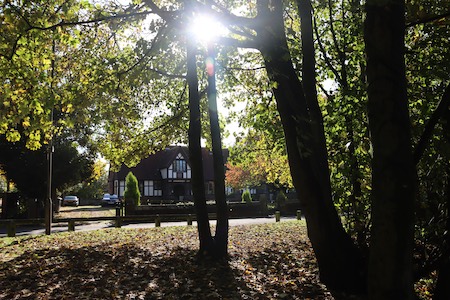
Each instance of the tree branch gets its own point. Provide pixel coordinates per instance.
(324, 53)
(179, 113)
(428, 19)
(92, 21)
(431, 124)
(250, 44)
(243, 69)
(327, 94)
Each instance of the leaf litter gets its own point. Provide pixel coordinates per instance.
(268, 261)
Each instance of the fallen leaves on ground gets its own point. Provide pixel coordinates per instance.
(269, 261)
(86, 212)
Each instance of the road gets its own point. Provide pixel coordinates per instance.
(37, 230)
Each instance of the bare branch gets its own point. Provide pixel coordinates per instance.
(243, 69)
(92, 21)
(324, 53)
(428, 19)
(250, 44)
(327, 94)
(431, 124)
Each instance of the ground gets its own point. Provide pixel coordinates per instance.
(85, 212)
(269, 261)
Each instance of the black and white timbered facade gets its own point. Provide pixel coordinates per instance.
(165, 175)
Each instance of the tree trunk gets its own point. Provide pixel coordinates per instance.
(221, 236)
(195, 154)
(394, 174)
(341, 264)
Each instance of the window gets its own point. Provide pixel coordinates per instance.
(116, 187)
(121, 188)
(152, 188)
(148, 188)
(179, 165)
(228, 190)
(157, 188)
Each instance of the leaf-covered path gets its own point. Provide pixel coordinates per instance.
(269, 261)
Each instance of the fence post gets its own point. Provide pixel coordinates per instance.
(71, 225)
(157, 221)
(299, 214)
(277, 216)
(118, 219)
(11, 228)
(189, 219)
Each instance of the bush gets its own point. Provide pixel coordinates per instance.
(246, 197)
(132, 194)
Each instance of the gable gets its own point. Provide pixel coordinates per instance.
(168, 163)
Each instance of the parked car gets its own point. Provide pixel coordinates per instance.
(109, 200)
(70, 200)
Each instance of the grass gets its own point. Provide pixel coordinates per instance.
(269, 261)
(85, 212)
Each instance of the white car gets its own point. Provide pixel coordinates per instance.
(70, 200)
(110, 199)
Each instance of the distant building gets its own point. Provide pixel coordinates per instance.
(166, 175)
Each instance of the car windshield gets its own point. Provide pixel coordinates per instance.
(70, 198)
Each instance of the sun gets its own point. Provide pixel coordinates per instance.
(205, 28)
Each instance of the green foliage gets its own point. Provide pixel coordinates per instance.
(246, 196)
(95, 186)
(28, 168)
(340, 42)
(260, 159)
(123, 92)
(101, 84)
(132, 194)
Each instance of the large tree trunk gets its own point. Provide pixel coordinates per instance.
(394, 174)
(221, 236)
(340, 262)
(195, 154)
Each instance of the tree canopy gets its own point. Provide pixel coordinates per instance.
(116, 76)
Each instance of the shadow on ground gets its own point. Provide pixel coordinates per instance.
(71, 209)
(127, 271)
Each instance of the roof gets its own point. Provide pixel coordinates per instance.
(149, 168)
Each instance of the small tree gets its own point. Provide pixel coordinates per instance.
(246, 196)
(132, 194)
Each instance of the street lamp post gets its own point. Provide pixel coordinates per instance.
(48, 215)
(48, 201)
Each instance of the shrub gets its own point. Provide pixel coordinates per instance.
(132, 194)
(246, 196)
